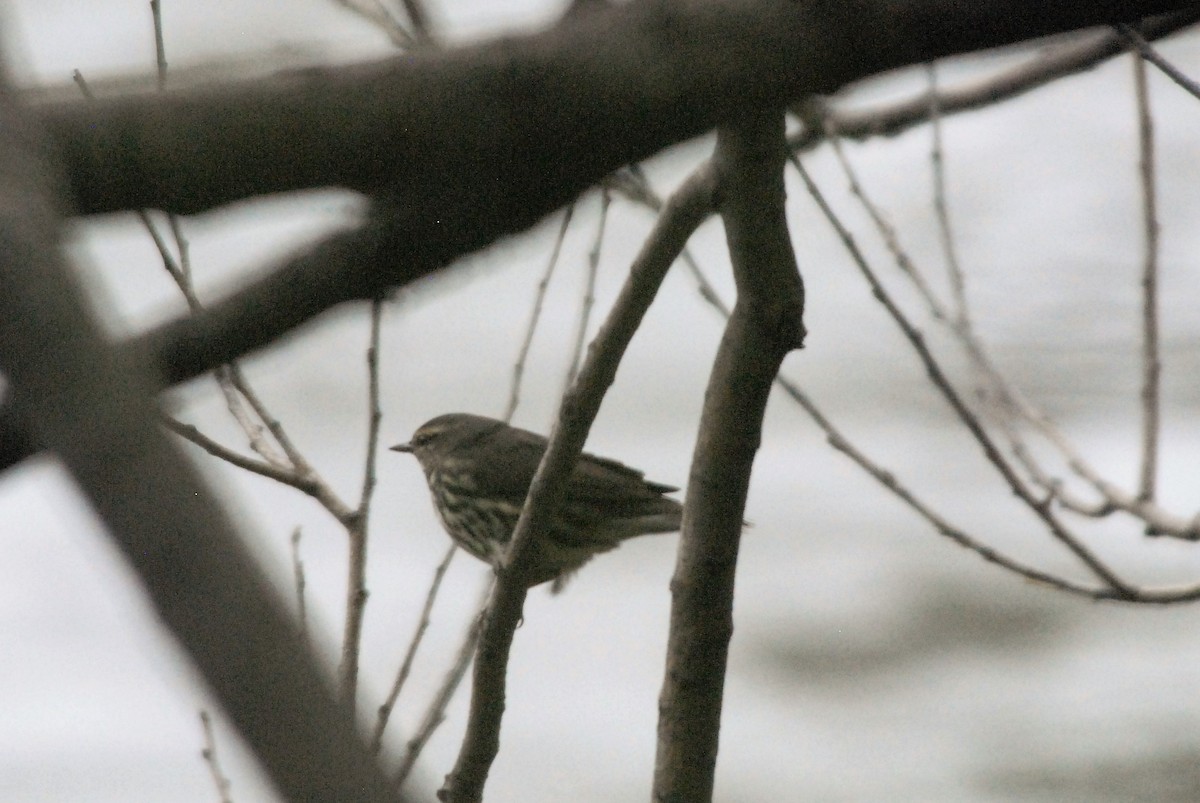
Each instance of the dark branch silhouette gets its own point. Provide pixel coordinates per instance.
(765, 325)
(93, 406)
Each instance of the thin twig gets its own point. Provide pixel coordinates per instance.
(838, 441)
(889, 481)
(298, 576)
(841, 443)
(941, 210)
(1007, 400)
(1046, 66)
(294, 456)
(309, 484)
(589, 290)
(1040, 507)
(168, 259)
(209, 753)
(236, 392)
(228, 377)
(378, 15)
(435, 713)
(82, 83)
(633, 185)
(374, 411)
(1151, 361)
(179, 270)
(1151, 55)
(357, 523)
(160, 50)
(181, 247)
(419, 18)
(285, 476)
(518, 375)
(414, 644)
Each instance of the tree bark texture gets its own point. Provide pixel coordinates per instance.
(765, 325)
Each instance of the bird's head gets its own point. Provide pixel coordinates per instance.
(439, 437)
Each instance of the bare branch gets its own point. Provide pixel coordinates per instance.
(157, 508)
(1154, 57)
(298, 577)
(229, 378)
(237, 393)
(766, 324)
(173, 268)
(354, 265)
(435, 714)
(1040, 507)
(1151, 362)
(357, 523)
(160, 50)
(514, 396)
(414, 644)
(589, 290)
(209, 753)
(377, 14)
(419, 17)
(838, 441)
(572, 100)
(937, 157)
(1048, 65)
(181, 247)
(1006, 401)
(578, 410)
(271, 471)
(889, 481)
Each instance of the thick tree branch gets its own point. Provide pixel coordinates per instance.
(765, 325)
(573, 103)
(88, 402)
(143, 150)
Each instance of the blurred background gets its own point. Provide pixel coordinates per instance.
(872, 659)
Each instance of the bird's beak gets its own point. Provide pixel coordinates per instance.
(402, 447)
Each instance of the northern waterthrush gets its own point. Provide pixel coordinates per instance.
(479, 470)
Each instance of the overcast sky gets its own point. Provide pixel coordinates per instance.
(871, 661)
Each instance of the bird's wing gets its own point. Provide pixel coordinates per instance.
(506, 463)
(602, 480)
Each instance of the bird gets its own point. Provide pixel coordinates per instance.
(479, 470)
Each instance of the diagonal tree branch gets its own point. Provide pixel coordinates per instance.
(90, 403)
(1139, 40)
(579, 407)
(937, 375)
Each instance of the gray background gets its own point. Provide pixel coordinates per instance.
(872, 660)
